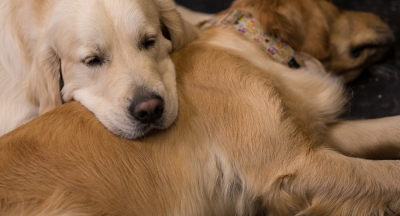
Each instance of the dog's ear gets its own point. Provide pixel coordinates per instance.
(303, 26)
(299, 23)
(174, 27)
(43, 82)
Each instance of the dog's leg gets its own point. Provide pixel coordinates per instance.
(375, 138)
(323, 182)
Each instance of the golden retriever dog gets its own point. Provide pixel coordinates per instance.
(111, 56)
(253, 137)
(346, 42)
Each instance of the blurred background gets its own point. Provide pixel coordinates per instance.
(376, 93)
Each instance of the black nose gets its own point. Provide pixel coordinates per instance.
(147, 110)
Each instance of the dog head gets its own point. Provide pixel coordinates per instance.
(344, 41)
(113, 57)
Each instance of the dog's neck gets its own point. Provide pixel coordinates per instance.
(246, 25)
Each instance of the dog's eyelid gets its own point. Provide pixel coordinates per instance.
(148, 41)
(93, 60)
(357, 51)
(150, 37)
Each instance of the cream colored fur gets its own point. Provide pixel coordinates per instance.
(42, 39)
(253, 137)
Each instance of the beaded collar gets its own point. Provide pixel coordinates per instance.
(278, 50)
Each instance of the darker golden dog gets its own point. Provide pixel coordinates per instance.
(346, 42)
(253, 136)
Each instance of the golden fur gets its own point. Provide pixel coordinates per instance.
(252, 137)
(345, 41)
(110, 55)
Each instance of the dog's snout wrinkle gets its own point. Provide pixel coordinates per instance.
(147, 110)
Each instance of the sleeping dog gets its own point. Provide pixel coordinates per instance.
(346, 42)
(112, 56)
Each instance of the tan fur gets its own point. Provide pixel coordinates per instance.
(251, 138)
(44, 39)
(321, 30)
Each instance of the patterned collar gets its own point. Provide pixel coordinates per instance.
(278, 50)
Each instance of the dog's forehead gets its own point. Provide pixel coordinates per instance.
(103, 21)
(116, 15)
(132, 12)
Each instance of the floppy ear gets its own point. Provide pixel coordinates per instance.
(179, 31)
(43, 81)
(304, 27)
(299, 23)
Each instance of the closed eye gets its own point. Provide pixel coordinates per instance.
(357, 51)
(148, 42)
(93, 61)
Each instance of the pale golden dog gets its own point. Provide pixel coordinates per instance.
(112, 56)
(253, 137)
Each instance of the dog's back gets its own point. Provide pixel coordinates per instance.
(66, 162)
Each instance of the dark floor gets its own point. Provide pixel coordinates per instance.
(376, 93)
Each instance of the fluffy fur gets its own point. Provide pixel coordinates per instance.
(110, 54)
(345, 41)
(253, 137)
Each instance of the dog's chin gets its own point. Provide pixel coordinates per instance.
(135, 133)
(133, 129)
